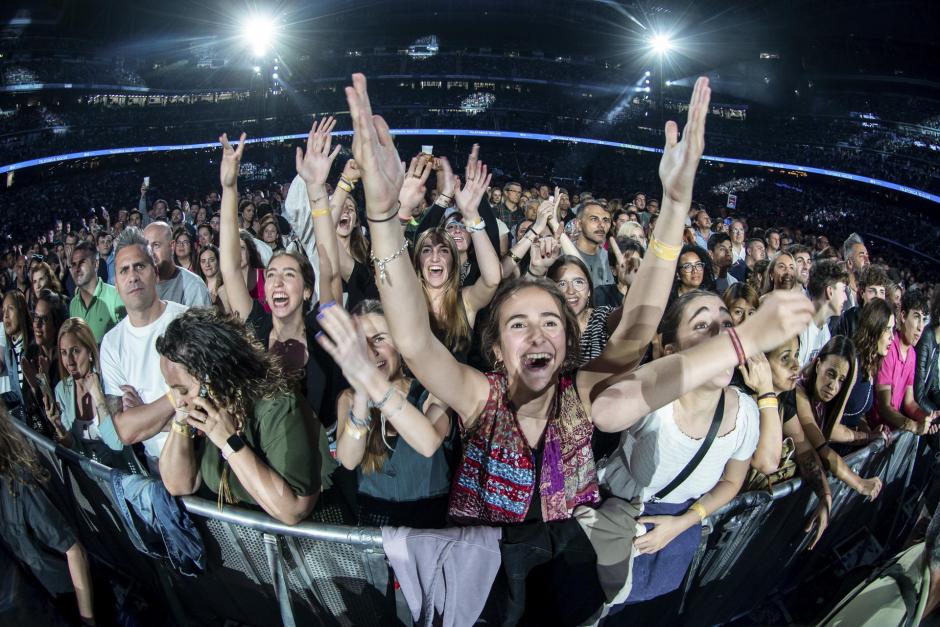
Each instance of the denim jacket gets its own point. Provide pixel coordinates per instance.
(157, 524)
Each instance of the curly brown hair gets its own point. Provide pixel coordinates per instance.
(219, 350)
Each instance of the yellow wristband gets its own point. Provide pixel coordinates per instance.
(766, 403)
(699, 509)
(664, 251)
(320, 213)
(345, 186)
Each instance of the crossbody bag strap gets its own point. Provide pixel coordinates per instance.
(699, 454)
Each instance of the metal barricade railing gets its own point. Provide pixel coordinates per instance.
(261, 571)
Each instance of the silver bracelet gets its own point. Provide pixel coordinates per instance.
(381, 403)
(356, 422)
(381, 263)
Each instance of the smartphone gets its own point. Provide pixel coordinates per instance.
(146, 181)
(428, 150)
(551, 199)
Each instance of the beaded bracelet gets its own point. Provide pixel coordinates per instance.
(381, 403)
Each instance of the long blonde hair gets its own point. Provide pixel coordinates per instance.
(451, 327)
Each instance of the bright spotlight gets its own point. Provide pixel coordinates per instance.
(647, 73)
(661, 44)
(259, 31)
(668, 83)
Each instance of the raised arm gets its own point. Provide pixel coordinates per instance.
(229, 251)
(645, 302)
(468, 197)
(346, 184)
(621, 400)
(460, 387)
(347, 344)
(313, 167)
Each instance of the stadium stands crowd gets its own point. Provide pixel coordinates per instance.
(456, 341)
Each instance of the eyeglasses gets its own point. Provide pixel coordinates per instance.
(513, 191)
(41, 320)
(690, 267)
(455, 226)
(578, 285)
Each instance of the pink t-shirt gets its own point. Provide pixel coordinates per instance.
(896, 372)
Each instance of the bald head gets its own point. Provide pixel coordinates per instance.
(160, 237)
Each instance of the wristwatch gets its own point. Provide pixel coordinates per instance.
(234, 444)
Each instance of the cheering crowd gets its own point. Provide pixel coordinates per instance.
(574, 380)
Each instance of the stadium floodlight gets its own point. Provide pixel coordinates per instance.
(661, 44)
(259, 32)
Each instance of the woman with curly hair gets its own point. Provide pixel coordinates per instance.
(258, 449)
(40, 530)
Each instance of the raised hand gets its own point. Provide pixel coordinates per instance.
(231, 160)
(782, 315)
(374, 151)
(351, 171)
(346, 343)
(314, 165)
(680, 158)
(544, 215)
(543, 253)
(413, 187)
(446, 181)
(476, 182)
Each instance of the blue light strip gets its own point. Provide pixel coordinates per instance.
(904, 189)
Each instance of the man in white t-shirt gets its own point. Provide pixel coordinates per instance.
(174, 283)
(826, 287)
(130, 366)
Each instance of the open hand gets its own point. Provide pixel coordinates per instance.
(543, 253)
(314, 165)
(345, 341)
(680, 158)
(374, 151)
(477, 180)
(413, 188)
(782, 315)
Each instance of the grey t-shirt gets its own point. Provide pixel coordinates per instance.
(599, 266)
(186, 288)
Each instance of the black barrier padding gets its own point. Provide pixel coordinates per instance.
(751, 550)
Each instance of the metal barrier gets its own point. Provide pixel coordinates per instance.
(323, 572)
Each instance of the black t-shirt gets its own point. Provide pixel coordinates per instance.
(37, 534)
(321, 380)
(360, 286)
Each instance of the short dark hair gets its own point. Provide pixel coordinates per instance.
(874, 275)
(825, 273)
(796, 249)
(717, 238)
(914, 300)
(86, 246)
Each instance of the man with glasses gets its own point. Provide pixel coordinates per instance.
(508, 210)
(95, 301)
